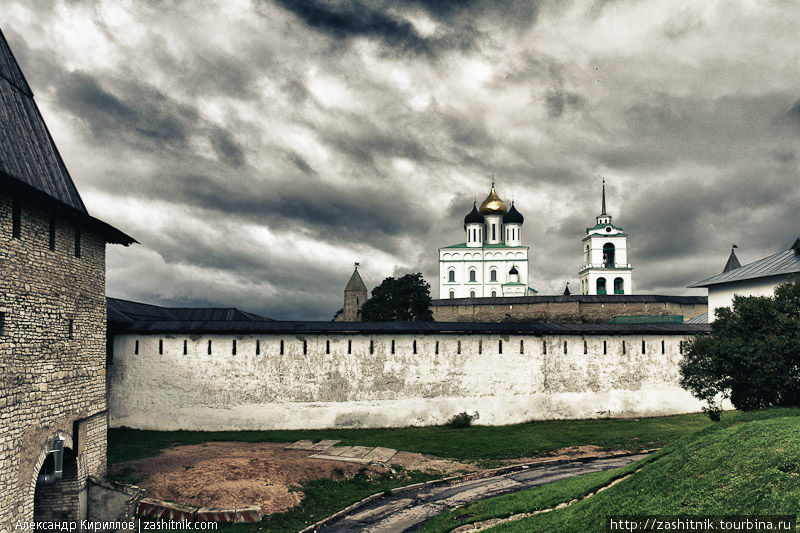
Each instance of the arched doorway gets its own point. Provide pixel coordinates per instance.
(58, 487)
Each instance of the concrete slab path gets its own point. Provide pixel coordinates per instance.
(409, 508)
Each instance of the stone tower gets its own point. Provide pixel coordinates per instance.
(355, 294)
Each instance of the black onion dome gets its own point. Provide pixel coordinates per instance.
(513, 216)
(474, 217)
(513, 270)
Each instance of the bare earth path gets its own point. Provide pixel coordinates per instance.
(410, 509)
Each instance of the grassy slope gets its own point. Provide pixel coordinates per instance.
(741, 468)
(474, 443)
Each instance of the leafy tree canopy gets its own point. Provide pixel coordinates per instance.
(752, 355)
(406, 298)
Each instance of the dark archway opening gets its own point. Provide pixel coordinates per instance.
(608, 255)
(619, 286)
(601, 285)
(57, 495)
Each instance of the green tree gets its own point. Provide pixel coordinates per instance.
(406, 298)
(752, 356)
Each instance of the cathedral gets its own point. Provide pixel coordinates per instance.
(492, 262)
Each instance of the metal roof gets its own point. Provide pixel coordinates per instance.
(583, 298)
(128, 312)
(27, 151)
(421, 328)
(785, 262)
(699, 319)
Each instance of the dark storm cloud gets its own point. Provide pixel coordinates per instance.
(557, 101)
(343, 20)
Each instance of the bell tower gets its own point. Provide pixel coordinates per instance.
(605, 267)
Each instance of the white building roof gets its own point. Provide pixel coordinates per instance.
(785, 262)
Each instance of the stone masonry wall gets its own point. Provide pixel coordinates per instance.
(382, 380)
(572, 311)
(51, 382)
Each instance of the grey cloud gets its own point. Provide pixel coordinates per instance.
(557, 101)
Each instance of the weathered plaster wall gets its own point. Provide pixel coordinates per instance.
(722, 295)
(50, 383)
(550, 311)
(329, 385)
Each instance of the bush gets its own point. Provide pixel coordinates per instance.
(751, 357)
(462, 420)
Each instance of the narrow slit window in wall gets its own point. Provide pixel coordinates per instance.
(233, 347)
(2, 324)
(70, 329)
(623, 347)
(458, 347)
(305, 347)
(437, 348)
(77, 241)
(392, 345)
(521, 346)
(500, 346)
(662, 346)
(349, 346)
(544, 347)
(585, 347)
(160, 346)
(415, 346)
(680, 347)
(209, 346)
(258, 347)
(281, 347)
(185, 347)
(644, 348)
(52, 232)
(605, 348)
(480, 346)
(136, 347)
(16, 218)
(371, 346)
(565, 346)
(328, 346)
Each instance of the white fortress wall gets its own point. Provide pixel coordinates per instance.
(357, 388)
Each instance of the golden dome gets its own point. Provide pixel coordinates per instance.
(493, 205)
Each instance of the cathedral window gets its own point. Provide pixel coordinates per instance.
(472, 275)
(493, 275)
(494, 294)
(452, 295)
(451, 276)
(472, 294)
(494, 237)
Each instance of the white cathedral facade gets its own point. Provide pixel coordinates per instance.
(492, 262)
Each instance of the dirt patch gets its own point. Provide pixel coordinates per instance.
(570, 452)
(237, 474)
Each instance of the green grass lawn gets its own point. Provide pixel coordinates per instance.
(476, 443)
(747, 464)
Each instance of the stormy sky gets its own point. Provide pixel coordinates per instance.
(257, 148)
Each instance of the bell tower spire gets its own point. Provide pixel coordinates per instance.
(603, 212)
